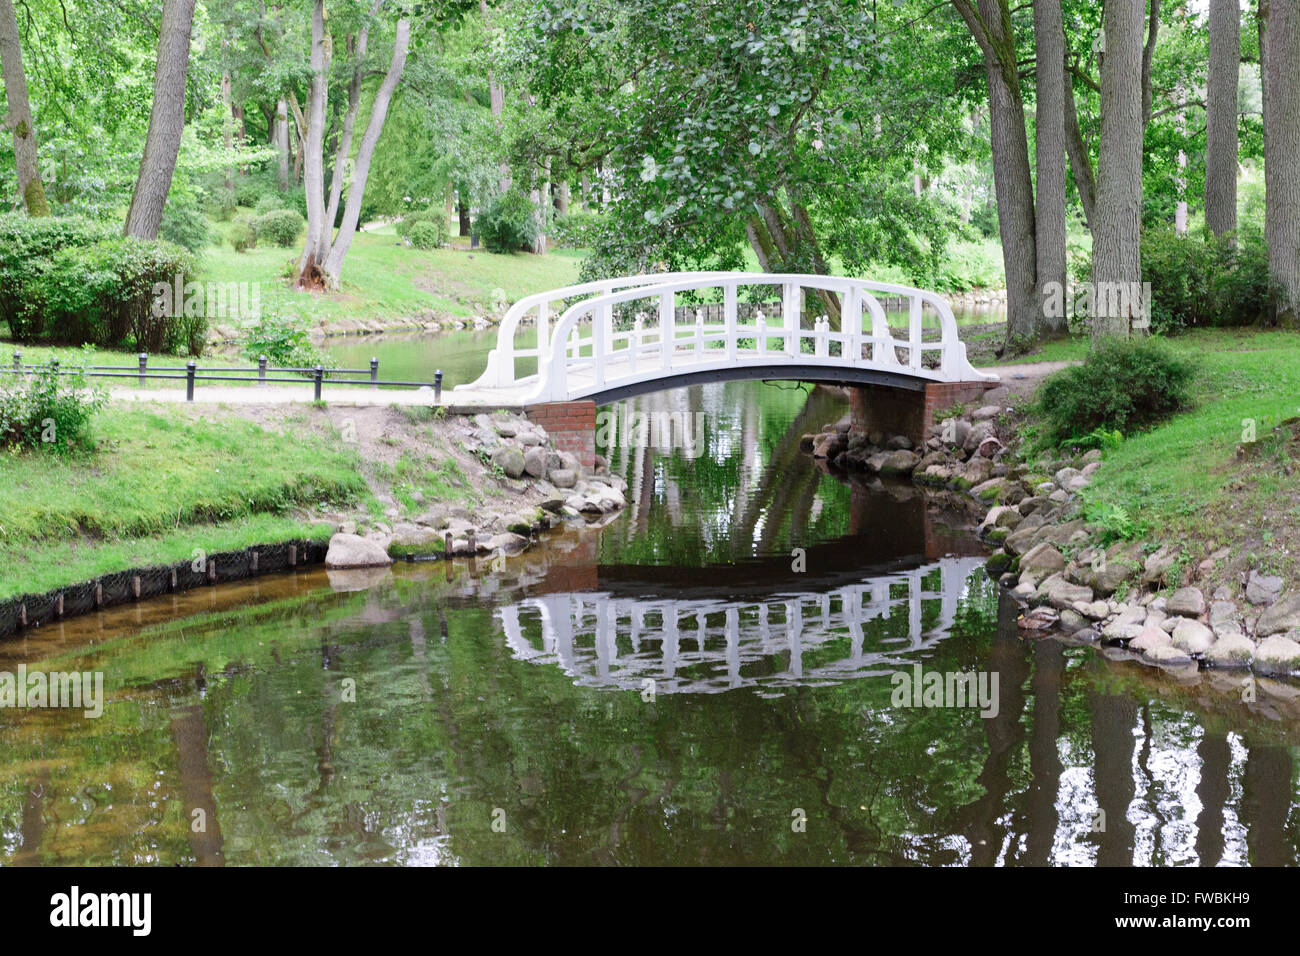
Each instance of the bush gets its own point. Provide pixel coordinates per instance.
(249, 190)
(430, 217)
(47, 410)
(269, 203)
(242, 235)
(26, 245)
(1123, 385)
(509, 224)
(424, 235)
(576, 230)
(104, 294)
(1204, 280)
(285, 341)
(280, 226)
(183, 222)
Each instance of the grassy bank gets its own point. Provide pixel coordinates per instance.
(1198, 480)
(159, 485)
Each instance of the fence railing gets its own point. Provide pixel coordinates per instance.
(261, 375)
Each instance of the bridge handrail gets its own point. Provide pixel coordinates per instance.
(858, 301)
(500, 369)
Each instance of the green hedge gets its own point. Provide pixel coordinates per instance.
(509, 224)
(76, 282)
(280, 226)
(1204, 280)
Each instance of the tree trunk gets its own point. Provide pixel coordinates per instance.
(357, 184)
(318, 230)
(1282, 154)
(228, 131)
(1116, 257)
(497, 101)
(166, 121)
(19, 120)
(462, 213)
(1080, 163)
(349, 121)
(1221, 117)
(282, 141)
(1049, 217)
(990, 23)
(562, 198)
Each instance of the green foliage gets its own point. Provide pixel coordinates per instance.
(104, 294)
(184, 222)
(433, 219)
(280, 226)
(1114, 523)
(577, 230)
(285, 340)
(1201, 279)
(26, 245)
(1123, 385)
(47, 410)
(509, 224)
(242, 235)
(249, 190)
(424, 235)
(270, 201)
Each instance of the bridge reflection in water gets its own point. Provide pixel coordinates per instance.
(868, 627)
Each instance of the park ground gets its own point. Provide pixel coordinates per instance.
(161, 478)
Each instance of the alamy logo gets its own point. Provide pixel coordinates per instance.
(77, 691)
(215, 300)
(74, 909)
(682, 431)
(1100, 300)
(919, 688)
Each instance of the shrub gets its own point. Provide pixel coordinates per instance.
(1123, 385)
(424, 235)
(1205, 280)
(576, 230)
(430, 217)
(509, 224)
(241, 235)
(183, 221)
(25, 247)
(47, 410)
(104, 294)
(270, 202)
(285, 340)
(250, 189)
(280, 226)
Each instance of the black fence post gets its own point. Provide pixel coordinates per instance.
(261, 370)
(318, 374)
(374, 373)
(54, 367)
(190, 368)
(437, 385)
(144, 364)
(18, 363)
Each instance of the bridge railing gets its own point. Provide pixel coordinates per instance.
(584, 359)
(502, 370)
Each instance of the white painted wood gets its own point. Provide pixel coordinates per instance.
(573, 364)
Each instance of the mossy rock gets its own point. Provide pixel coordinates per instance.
(998, 563)
(431, 549)
(997, 535)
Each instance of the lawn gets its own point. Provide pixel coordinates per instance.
(159, 485)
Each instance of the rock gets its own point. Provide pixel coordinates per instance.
(976, 435)
(986, 412)
(1186, 602)
(1282, 615)
(510, 460)
(1064, 476)
(1025, 589)
(535, 462)
(563, 477)
(989, 490)
(1167, 654)
(1061, 594)
(1092, 456)
(353, 551)
(1072, 621)
(1192, 636)
(348, 527)
(899, 443)
(990, 447)
(974, 472)
(1277, 655)
(1095, 611)
(1263, 589)
(508, 541)
(1231, 650)
(1223, 614)
(1153, 571)
(900, 462)
(414, 539)
(1042, 561)
(1120, 564)
(958, 431)
(1149, 638)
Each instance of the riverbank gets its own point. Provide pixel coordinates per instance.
(167, 487)
(1175, 547)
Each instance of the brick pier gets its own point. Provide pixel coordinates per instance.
(571, 425)
(899, 411)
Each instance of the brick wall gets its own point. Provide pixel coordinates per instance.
(898, 411)
(571, 425)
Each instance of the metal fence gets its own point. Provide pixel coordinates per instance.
(262, 375)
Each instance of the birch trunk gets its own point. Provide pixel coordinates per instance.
(19, 119)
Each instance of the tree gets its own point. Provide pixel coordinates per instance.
(166, 121)
(1049, 125)
(1221, 117)
(19, 119)
(1280, 42)
(1116, 260)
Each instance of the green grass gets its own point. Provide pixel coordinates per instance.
(383, 279)
(1184, 480)
(159, 485)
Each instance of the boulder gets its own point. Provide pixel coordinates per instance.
(508, 541)
(1277, 655)
(1231, 650)
(1281, 616)
(1149, 638)
(1042, 561)
(535, 462)
(1223, 616)
(1168, 654)
(1061, 594)
(899, 462)
(1186, 602)
(1153, 571)
(509, 459)
(1263, 589)
(353, 551)
(563, 477)
(986, 412)
(1192, 636)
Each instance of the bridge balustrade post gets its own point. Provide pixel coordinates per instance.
(638, 330)
(914, 332)
(667, 328)
(699, 335)
(760, 324)
(602, 334)
(851, 326)
(791, 307)
(543, 330)
(729, 318)
(821, 334)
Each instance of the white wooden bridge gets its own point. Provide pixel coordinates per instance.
(712, 645)
(624, 337)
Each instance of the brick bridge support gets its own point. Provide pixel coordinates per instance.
(571, 426)
(884, 410)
